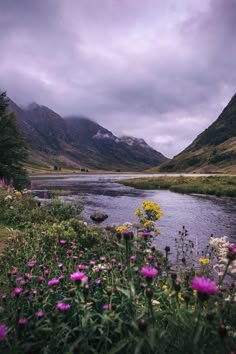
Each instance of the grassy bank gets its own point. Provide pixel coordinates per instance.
(215, 185)
(67, 287)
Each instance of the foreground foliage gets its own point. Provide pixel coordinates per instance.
(216, 185)
(70, 288)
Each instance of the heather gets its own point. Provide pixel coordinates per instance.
(69, 287)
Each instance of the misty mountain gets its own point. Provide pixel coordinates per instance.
(80, 142)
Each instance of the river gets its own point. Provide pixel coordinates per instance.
(202, 215)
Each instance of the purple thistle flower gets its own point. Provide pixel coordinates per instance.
(146, 234)
(53, 282)
(133, 258)
(40, 279)
(31, 264)
(204, 285)
(102, 259)
(77, 276)
(92, 263)
(97, 281)
(17, 291)
(3, 331)
(63, 307)
(149, 272)
(62, 242)
(22, 321)
(106, 307)
(81, 266)
(39, 314)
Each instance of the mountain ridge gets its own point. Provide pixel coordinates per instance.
(213, 150)
(80, 142)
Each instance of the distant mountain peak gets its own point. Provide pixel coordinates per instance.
(80, 141)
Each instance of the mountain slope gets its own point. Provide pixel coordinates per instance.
(80, 142)
(214, 150)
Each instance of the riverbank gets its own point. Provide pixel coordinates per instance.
(74, 288)
(213, 185)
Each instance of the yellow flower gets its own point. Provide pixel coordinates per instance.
(138, 212)
(164, 287)
(18, 194)
(204, 261)
(121, 228)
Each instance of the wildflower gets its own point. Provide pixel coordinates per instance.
(62, 242)
(79, 277)
(81, 266)
(133, 258)
(149, 272)
(3, 331)
(204, 285)
(204, 261)
(231, 254)
(22, 321)
(17, 291)
(142, 325)
(106, 307)
(31, 264)
(40, 279)
(92, 263)
(53, 282)
(97, 281)
(63, 307)
(39, 314)
(102, 259)
(146, 234)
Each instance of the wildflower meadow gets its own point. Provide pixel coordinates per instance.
(69, 287)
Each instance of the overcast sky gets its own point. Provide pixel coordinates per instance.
(162, 70)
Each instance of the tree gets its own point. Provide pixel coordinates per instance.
(13, 150)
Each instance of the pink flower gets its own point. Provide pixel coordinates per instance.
(106, 307)
(92, 263)
(102, 259)
(3, 331)
(39, 314)
(22, 321)
(204, 285)
(62, 242)
(146, 234)
(53, 282)
(133, 258)
(149, 272)
(31, 264)
(40, 279)
(63, 307)
(17, 291)
(77, 276)
(81, 266)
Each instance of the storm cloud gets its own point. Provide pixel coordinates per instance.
(160, 70)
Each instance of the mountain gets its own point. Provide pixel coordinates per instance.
(79, 142)
(214, 150)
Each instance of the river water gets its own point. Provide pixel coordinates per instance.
(202, 215)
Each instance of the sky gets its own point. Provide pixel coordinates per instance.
(161, 70)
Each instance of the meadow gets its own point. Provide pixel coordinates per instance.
(214, 185)
(69, 287)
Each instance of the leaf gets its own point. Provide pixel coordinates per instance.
(120, 345)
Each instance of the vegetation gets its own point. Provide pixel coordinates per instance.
(71, 288)
(213, 150)
(12, 147)
(216, 185)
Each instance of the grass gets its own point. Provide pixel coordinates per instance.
(4, 234)
(214, 185)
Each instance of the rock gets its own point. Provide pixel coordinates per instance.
(98, 217)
